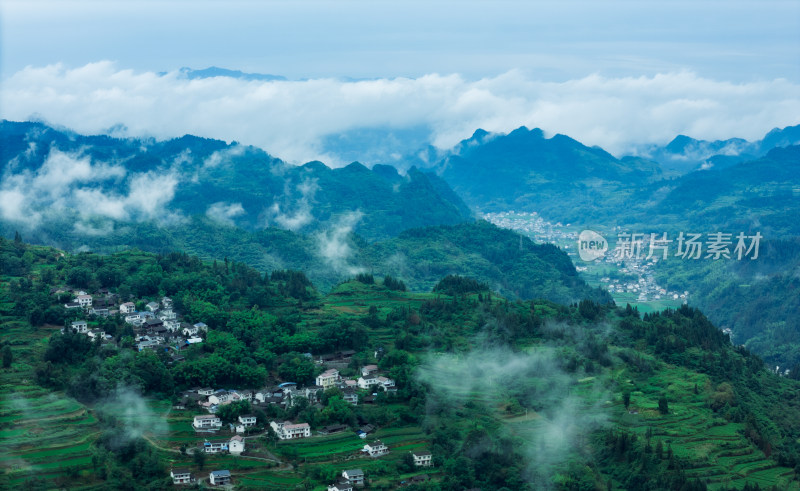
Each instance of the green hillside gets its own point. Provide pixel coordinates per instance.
(96, 185)
(521, 395)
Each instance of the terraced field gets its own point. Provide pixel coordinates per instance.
(722, 455)
(45, 435)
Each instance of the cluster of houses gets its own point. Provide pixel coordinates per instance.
(235, 445)
(158, 326)
(369, 379)
(215, 478)
(354, 478)
(287, 393)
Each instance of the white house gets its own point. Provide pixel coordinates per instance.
(386, 383)
(219, 478)
(355, 476)
(79, 326)
(341, 484)
(84, 300)
(215, 447)
(236, 445)
(205, 391)
(100, 312)
(328, 378)
(220, 397)
(350, 396)
(422, 458)
(180, 476)
(145, 342)
(207, 422)
(247, 420)
(127, 308)
(366, 382)
(166, 302)
(152, 306)
(288, 431)
(134, 318)
(368, 370)
(95, 333)
(375, 449)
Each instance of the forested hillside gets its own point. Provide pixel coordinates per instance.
(63, 187)
(660, 401)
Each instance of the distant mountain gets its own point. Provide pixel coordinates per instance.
(684, 154)
(377, 145)
(100, 182)
(558, 177)
(224, 72)
(759, 194)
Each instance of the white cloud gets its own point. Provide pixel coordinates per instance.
(221, 156)
(334, 246)
(300, 214)
(290, 118)
(73, 183)
(225, 212)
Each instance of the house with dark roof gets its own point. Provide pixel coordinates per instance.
(355, 476)
(180, 476)
(219, 478)
(422, 458)
(341, 484)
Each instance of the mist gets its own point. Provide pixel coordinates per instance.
(555, 413)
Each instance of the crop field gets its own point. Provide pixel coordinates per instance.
(723, 454)
(44, 434)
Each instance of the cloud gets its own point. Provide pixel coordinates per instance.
(298, 213)
(72, 183)
(132, 414)
(225, 212)
(291, 119)
(334, 246)
(222, 156)
(557, 419)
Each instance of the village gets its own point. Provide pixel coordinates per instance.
(628, 279)
(286, 395)
(158, 326)
(155, 326)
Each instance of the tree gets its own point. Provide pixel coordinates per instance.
(407, 463)
(8, 356)
(663, 405)
(626, 398)
(200, 458)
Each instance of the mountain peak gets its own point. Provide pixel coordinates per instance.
(214, 71)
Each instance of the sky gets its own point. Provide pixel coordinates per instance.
(615, 74)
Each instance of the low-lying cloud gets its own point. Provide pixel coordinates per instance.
(224, 213)
(334, 244)
(71, 182)
(293, 212)
(558, 418)
(291, 119)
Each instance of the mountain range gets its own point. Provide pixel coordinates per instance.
(219, 199)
